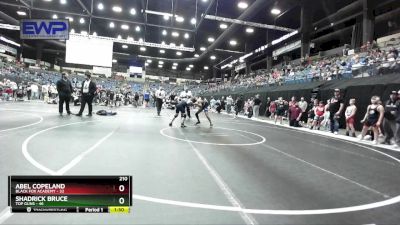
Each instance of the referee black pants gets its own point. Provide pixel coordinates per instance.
(86, 99)
(159, 103)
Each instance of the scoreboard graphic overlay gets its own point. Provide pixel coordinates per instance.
(70, 194)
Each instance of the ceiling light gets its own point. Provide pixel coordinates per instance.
(163, 42)
(95, 33)
(117, 9)
(164, 32)
(112, 25)
(243, 5)
(161, 62)
(119, 37)
(124, 46)
(180, 19)
(188, 69)
(149, 61)
(162, 51)
(213, 57)
(191, 66)
(223, 26)
(100, 6)
(140, 39)
(114, 60)
(130, 39)
(205, 0)
(63, 2)
(70, 19)
(233, 42)
(275, 11)
(146, 64)
(47, 0)
(137, 28)
(21, 13)
(132, 11)
(175, 64)
(206, 67)
(124, 27)
(211, 39)
(166, 17)
(55, 16)
(193, 21)
(196, 55)
(72, 31)
(249, 30)
(142, 49)
(186, 35)
(181, 45)
(160, 66)
(179, 53)
(175, 34)
(81, 21)
(174, 67)
(202, 49)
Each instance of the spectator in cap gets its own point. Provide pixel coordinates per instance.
(64, 89)
(389, 122)
(335, 108)
(88, 91)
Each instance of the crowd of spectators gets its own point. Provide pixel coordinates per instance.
(369, 61)
(381, 122)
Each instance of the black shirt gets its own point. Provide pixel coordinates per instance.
(64, 87)
(334, 106)
(257, 101)
(391, 109)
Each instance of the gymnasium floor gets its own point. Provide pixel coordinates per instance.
(239, 172)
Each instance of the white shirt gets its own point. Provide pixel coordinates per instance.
(160, 94)
(34, 88)
(86, 86)
(186, 95)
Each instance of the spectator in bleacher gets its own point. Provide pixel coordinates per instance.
(64, 89)
(257, 104)
(350, 114)
(389, 123)
(335, 108)
(373, 118)
(88, 91)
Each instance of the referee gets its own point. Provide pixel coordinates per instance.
(88, 91)
(160, 95)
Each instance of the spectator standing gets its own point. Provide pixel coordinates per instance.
(45, 92)
(239, 105)
(280, 110)
(35, 91)
(389, 123)
(28, 91)
(335, 108)
(257, 105)
(295, 115)
(64, 89)
(146, 99)
(303, 106)
(373, 118)
(88, 91)
(229, 103)
(267, 105)
(350, 114)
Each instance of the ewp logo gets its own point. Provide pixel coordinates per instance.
(44, 29)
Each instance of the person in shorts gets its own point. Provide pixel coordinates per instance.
(180, 108)
(319, 111)
(202, 107)
(280, 110)
(373, 118)
(350, 114)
